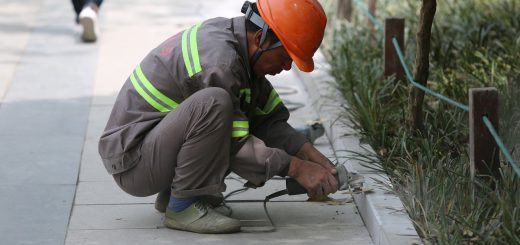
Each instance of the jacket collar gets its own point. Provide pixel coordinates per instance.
(239, 29)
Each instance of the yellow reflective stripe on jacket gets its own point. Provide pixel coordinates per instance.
(147, 97)
(247, 93)
(190, 50)
(271, 103)
(240, 129)
(172, 104)
(150, 94)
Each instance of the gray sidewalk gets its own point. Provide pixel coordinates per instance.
(104, 214)
(56, 94)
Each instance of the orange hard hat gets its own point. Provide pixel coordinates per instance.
(299, 24)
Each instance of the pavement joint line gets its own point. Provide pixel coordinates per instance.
(39, 184)
(228, 201)
(95, 181)
(116, 229)
(289, 226)
(254, 201)
(113, 204)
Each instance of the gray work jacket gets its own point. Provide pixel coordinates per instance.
(212, 53)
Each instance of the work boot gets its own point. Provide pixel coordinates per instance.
(199, 217)
(163, 197)
(214, 200)
(88, 20)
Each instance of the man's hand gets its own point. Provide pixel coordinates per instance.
(316, 179)
(309, 152)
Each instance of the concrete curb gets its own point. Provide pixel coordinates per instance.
(383, 213)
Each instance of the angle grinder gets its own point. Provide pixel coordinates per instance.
(345, 180)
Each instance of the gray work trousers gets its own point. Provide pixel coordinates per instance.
(189, 150)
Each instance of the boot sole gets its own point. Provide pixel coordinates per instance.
(172, 224)
(89, 32)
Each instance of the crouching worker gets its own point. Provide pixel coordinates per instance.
(198, 107)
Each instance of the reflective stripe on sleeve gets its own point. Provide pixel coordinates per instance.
(271, 103)
(190, 52)
(147, 97)
(185, 54)
(240, 129)
(150, 94)
(172, 104)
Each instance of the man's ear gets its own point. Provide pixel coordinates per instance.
(256, 38)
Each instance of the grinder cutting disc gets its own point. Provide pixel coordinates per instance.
(347, 179)
(342, 177)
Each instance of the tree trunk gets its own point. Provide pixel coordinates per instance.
(372, 10)
(422, 62)
(345, 10)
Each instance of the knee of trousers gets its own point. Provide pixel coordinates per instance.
(221, 99)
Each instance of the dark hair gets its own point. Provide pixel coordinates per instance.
(251, 27)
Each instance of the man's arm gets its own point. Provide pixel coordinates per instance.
(308, 166)
(270, 121)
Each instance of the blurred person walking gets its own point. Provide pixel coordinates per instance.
(86, 15)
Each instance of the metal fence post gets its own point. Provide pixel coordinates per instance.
(345, 9)
(394, 27)
(482, 147)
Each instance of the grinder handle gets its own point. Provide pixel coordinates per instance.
(293, 187)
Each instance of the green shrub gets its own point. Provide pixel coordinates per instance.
(474, 44)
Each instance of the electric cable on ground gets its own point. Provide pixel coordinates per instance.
(267, 198)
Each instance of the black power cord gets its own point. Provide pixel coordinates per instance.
(267, 198)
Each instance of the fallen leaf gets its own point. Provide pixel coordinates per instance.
(330, 200)
(337, 202)
(319, 199)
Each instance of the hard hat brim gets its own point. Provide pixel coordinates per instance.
(303, 65)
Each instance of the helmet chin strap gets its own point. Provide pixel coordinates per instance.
(258, 21)
(260, 50)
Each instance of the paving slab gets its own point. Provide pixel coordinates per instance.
(294, 214)
(35, 162)
(17, 19)
(105, 193)
(92, 168)
(43, 118)
(35, 214)
(97, 121)
(37, 117)
(284, 214)
(122, 216)
(284, 235)
(298, 223)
